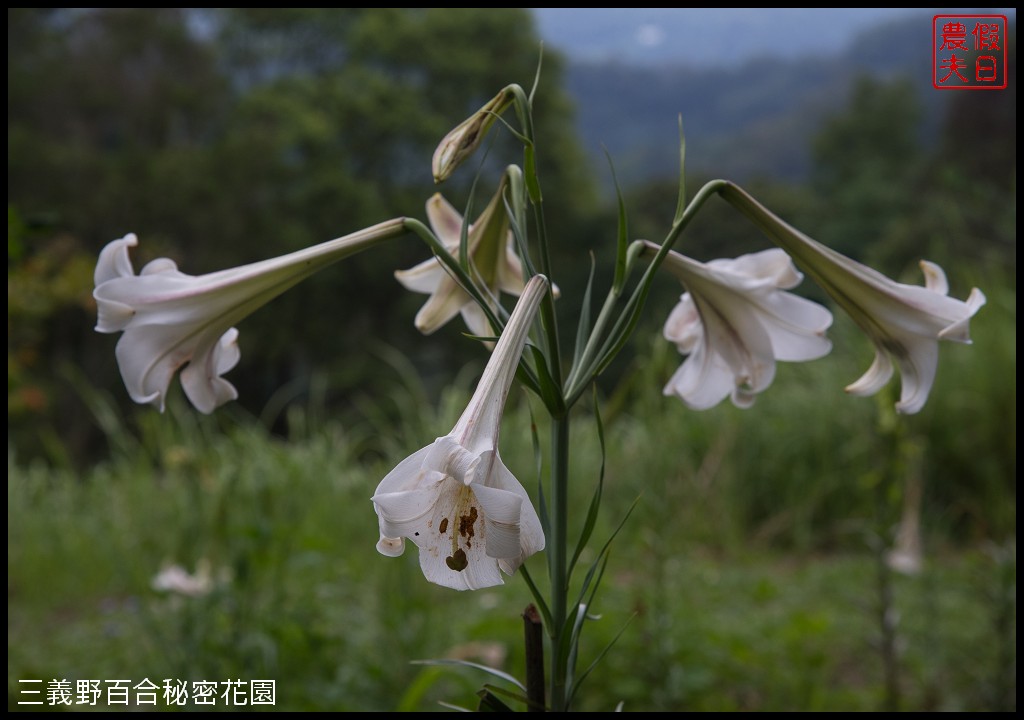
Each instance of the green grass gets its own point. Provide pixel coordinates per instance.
(307, 601)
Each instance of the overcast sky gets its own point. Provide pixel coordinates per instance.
(712, 36)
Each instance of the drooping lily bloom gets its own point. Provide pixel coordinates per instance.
(172, 320)
(490, 249)
(735, 321)
(455, 499)
(905, 322)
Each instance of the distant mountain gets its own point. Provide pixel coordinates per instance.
(757, 118)
(720, 37)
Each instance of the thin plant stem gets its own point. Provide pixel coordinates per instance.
(888, 626)
(548, 318)
(558, 567)
(888, 615)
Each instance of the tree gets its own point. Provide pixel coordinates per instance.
(222, 137)
(866, 162)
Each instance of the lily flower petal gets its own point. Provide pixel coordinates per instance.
(491, 253)
(905, 322)
(171, 319)
(734, 322)
(455, 499)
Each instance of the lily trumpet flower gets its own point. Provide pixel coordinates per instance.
(734, 322)
(455, 499)
(172, 320)
(905, 322)
(491, 254)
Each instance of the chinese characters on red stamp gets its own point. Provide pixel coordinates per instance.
(969, 52)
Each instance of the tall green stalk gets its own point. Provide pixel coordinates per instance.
(558, 567)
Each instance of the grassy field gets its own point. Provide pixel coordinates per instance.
(745, 579)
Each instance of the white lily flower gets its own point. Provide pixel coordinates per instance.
(905, 322)
(455, 499)
(491, 254)
(171, 319)
(176, 579)
(735, 321)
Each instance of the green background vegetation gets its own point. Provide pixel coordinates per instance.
(747, 572)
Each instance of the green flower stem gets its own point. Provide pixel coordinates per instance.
(558, 567)
(524, 112)
(599, 348)
(547, 307)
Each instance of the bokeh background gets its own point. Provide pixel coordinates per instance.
(753, 574)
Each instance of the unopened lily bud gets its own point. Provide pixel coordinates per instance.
(463, 141)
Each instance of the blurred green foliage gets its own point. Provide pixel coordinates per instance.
(270, 130)
(224, 137)
(718, 618)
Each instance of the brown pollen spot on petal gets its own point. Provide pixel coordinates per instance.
(457, 561)
(443, 527)
(466, 523)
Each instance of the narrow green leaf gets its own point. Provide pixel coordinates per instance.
(600, 656)
(681, 203)
(622, 243)
(590, 584)
(627, 320)
(596, 568)
(515, 133)
(574, 645)
(549, 391)
(536, 75)
(453, 706)
(538, 598)
(622, 524)
(583, 329)
(524, 111)
(481, 338)
(595, 501)
(489, 702)
(538, 459)
(464, 230)
(509, 694)
(517, 225)
(530, 171)
(478, 666)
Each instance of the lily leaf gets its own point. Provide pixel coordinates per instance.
(489, 702)
(595, 501)
(477, 666)
(583, 329)
(681, 204)
(622, 240)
